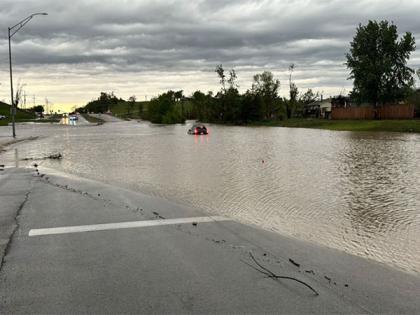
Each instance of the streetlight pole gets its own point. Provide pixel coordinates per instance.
(11, 86)
(12, 31)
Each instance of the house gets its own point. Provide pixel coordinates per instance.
(341, 102)
(318, 109)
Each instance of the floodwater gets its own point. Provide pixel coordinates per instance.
(357, 192)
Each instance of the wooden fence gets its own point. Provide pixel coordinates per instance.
(403, 111)
(400, 111)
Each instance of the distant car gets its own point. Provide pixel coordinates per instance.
(73, 117)
(198, 129)
(2, 117)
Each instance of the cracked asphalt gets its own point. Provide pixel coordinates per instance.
(216, 267)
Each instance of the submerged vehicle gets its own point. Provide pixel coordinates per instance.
(197, 129)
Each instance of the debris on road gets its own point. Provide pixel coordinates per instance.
(55, 156)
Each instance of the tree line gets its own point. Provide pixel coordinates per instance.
(377, 61)
(259, 103)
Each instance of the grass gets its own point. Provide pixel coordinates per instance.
(92, 119)
(348, 125)
(121, 110)
(21, 115)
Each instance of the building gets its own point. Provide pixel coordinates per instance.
(318, 109)
(341, 102)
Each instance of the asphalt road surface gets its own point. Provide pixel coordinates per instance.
(76, 246)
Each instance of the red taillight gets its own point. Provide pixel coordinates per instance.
(195, 130)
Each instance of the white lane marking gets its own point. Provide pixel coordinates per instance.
(122, 225)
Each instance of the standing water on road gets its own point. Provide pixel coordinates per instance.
(358, 192)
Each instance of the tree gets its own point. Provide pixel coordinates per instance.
(227, 100)
(232, 80)
(104, 102)
(131, 103)
(378, 63)
(200, 104)
(178, 95)
(221, 73)
(203, 106)
(266, 87)
(37, 109)
(163, 109)
(18, 95)
(308, 97)
(140, 108)
(293, 93)
(251, 107)
(231, 104)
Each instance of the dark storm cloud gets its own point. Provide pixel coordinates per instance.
(184, 35)
(199, 30)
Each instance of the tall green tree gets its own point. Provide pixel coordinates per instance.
(378, 63)
(221, 73)
(228, 99)
(104, 102)
(232, 80)
(251, 107)
(178, 95)
(163, 109)
(308, 97)
(198, 101)
(203, 106)
(37, 109)
(266, 87)
(140, 108)
(131, 103)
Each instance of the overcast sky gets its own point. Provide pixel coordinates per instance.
(146, 47)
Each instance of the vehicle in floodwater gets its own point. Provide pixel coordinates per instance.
(198, 129)
(73, 117)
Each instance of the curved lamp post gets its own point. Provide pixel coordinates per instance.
(12, 31)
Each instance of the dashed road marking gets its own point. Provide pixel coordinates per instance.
(122, 225)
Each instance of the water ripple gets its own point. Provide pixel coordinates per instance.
(358, 192)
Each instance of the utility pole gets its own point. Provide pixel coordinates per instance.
(12, 108)
(12, 31)
(47, 108)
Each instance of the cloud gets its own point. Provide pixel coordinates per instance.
(160, 44)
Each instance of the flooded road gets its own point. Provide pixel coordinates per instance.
(358, 192)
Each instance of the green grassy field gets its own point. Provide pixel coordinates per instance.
(123, 111)
(120, 110)
(20, 115)
(92, 119)
(349, 125)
